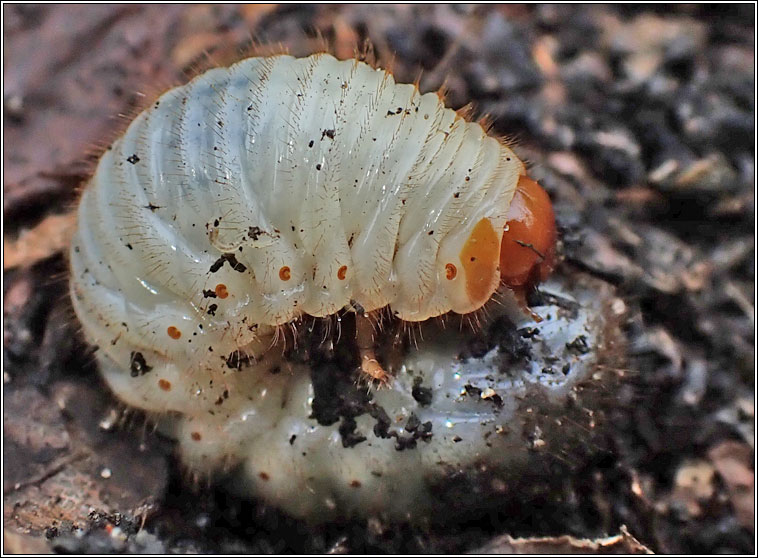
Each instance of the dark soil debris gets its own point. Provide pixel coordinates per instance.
(421, 394)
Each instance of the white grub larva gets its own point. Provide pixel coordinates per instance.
(280, 188)
(448, 438)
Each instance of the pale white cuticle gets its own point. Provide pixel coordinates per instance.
(314, 477)
(308, 165)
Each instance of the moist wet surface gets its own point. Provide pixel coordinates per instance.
(637, 121)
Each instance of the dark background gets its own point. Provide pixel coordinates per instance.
(639, 121)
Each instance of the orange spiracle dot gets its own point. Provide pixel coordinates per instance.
(196, 436)
(174, 333)
(450, 271)
(165, 385)
(342, 273)
(284, 273)
(221, 291)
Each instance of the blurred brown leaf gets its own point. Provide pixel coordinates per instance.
(49, 237)
(14, 543)
(623, 543)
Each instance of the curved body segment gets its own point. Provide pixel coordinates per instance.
(280, 187)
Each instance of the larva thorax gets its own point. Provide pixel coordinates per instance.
(279, 187)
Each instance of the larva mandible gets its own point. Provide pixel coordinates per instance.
(282, 187)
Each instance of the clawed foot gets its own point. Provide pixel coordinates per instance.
(371, 371)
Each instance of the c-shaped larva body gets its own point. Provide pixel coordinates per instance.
(282, 187)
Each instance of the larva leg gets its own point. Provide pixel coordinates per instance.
(371, 370)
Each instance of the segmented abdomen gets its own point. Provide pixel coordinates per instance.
(279, 187)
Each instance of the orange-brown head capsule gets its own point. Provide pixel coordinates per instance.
(527, 252)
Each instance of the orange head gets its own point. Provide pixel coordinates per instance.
(527, 251)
